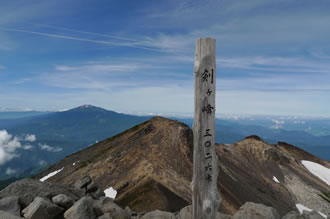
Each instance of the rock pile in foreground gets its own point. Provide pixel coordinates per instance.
(33, 199)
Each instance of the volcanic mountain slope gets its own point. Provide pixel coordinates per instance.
(150, 166)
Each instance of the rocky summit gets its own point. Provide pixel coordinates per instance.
(150, 166)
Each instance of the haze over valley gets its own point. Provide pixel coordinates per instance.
(31, 141)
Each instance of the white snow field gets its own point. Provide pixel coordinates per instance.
(318, 170)
(275, 179)
(302, 208)
(51, 175)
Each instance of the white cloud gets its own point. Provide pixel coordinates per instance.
(251, 31)
(27, 147)
(103, 75)
(42, 163)
(299, 122)
(171, 43)
(8, 146)
(275, 64)
(48, 148)
(2, 67)
(10, 171)
(115, 73)
(104, 42)
(278, 124)
(30, 138)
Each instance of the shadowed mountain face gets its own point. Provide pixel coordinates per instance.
(150, 165)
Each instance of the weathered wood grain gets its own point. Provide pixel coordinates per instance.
(206, 198)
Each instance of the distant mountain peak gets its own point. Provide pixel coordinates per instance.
(88, 108)
(255, 137)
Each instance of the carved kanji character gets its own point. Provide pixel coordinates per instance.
(208, 167)
(208, 109)
(207, 133)
(207, 144)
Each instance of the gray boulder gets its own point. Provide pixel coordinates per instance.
(106, 205)
(82, 209)
(186, 213)
(28, 189)
(42, 208)
(82, 183)
(223, 216)
(6, 215)
(159, 215)
(311, 215)
(105, 216)
(11, 205)
(63, 201)
(293, 215)
(92, 187)
(89, 187)
(252, 210)
(98, 193)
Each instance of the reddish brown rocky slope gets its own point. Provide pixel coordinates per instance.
(150, 166)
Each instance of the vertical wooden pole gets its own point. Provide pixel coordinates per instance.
(206, 198)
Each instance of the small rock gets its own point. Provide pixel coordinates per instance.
(82, 183)
(92, 187)
(42, 208)
(97, 194)
(6, 215)
(127, 209)
(82, 209)
(11, 205)
(186, 213)
(106, 205)
(105, 216)
(293, 215)
(27, 189)
(63, 201)
(223, 216)
(311, 215)
(256, 211)
(159, 215)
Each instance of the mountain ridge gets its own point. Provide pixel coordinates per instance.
(67, 131)
(155, 159)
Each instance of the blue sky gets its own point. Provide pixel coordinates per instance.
(273, 56)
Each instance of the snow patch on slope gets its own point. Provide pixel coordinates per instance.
(51, 175)
(302, 208)
(110, 192)
(318, 170)
(275, 179)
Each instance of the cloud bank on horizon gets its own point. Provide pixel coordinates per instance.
(272, 56)
(9, 145)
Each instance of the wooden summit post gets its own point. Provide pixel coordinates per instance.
(206, 198)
